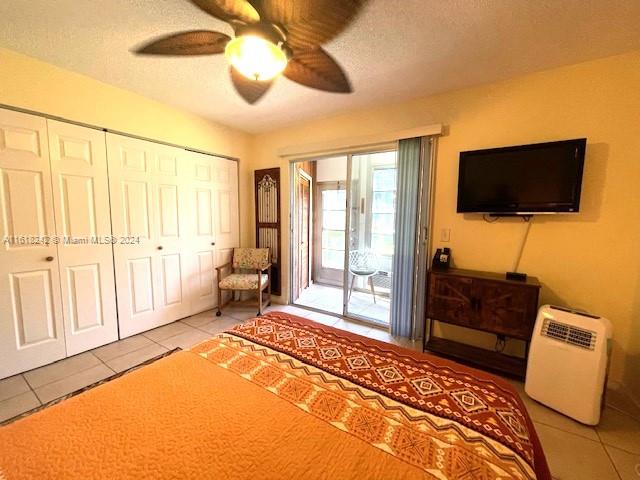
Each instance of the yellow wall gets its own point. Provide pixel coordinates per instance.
(589, 260)
(34, 85)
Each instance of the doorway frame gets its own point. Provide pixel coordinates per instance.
(298, 172)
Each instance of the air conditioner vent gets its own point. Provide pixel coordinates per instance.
(569, 334)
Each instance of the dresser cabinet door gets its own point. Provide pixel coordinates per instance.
(450, 299)
(506, 309)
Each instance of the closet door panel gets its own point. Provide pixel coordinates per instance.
(140, 285)
(227, 218)
(203, 285)
(135, 209)
(83, 221)
(131, 186)
(150, 212)
(31, 326)
(173, 220)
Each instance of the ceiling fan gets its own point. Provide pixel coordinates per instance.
(271, 37)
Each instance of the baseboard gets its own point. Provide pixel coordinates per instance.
(620, 393)
(633, 398)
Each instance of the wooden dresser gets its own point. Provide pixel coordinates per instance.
(482, 301)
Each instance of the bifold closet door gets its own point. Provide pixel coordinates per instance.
(227, 215)
(149, 219)
(226, 212)
(203, 285)
(31, 326)
(83, 221)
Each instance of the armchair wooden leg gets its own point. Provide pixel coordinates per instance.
(259, 299)
(219, 312)
(269, 286)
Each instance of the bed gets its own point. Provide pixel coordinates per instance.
(282, 397)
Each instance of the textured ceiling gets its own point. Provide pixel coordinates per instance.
(395, 50)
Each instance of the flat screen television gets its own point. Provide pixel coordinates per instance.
(522, 180)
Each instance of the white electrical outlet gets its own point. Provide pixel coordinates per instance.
(445, 234)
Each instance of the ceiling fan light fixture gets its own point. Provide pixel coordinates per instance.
(255, 57)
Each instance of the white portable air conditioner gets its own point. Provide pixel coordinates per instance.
(568, 361)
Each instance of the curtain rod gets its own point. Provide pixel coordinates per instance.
(322, 155)
(116, 132)
(349, 144)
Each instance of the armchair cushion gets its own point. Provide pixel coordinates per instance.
(251, 258)
(242, 281)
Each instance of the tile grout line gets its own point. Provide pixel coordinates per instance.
(605, 445)
(126, 353)
(623, 412)
(103, 362)
(567, 431)
(613, 464)
(69, 376)
(618, 448)
(27, 382)
(38, 398)
(22, 393)
(66, 376)
(30, 389)
(152, 341)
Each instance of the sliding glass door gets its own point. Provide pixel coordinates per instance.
(352, 225)
(369, 255)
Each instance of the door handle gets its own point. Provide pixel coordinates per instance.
(49, 259)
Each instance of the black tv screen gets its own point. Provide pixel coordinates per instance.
(527, 179)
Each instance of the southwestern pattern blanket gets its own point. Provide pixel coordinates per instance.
(282, 397)
(448, 420)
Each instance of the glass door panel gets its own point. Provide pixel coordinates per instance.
(332, 205)
(369, 256)
(328, 228)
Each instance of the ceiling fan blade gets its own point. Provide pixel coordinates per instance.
(196, 42)
(309, 22)
(228, 10)
(250, 90)
(316, 69)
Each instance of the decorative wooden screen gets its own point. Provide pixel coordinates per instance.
(268, 225)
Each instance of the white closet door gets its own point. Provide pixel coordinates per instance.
(171, 232)
(147, 217)
(226, 208)
(203, 283)
(81, 201)
(227, 215)
(31, 329)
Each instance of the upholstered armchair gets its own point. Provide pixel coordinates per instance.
(245, 259)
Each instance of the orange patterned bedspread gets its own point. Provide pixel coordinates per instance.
(281, 397)
(446, 419)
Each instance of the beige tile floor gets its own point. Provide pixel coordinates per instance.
(361, 303)
(611, 451)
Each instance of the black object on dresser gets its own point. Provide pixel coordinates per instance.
(482, 301)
